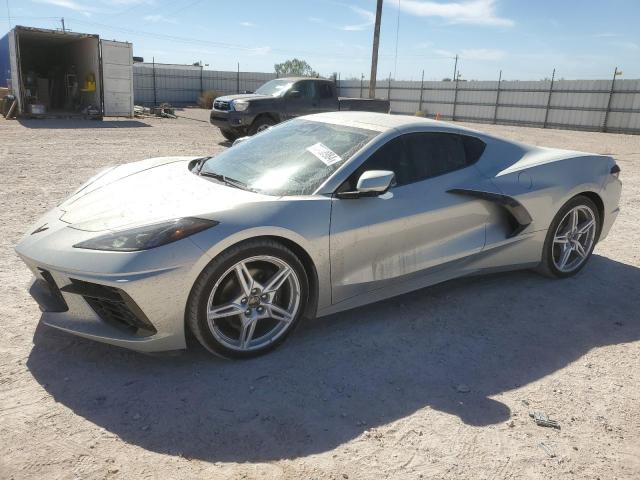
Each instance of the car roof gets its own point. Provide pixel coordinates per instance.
(385, 121)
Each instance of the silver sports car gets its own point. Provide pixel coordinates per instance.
(316, 215)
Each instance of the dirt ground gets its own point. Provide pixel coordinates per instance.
(435, 384)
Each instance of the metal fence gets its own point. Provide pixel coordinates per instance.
(596, 105)
(181, 85)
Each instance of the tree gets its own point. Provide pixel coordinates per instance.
(295, 67)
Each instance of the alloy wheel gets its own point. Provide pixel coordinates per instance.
(573, 239)
(253, 303)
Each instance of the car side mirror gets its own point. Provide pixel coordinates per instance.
(371, 183)
(294, 94)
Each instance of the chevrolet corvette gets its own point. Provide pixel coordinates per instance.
(311, 217)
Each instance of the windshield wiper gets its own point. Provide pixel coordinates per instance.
(227, 180)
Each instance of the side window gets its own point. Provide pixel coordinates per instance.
(417, 156)
(390, 156)
(325, 90)
(434, 154)
(306, 89)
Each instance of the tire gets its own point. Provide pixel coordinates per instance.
(554, 246)
(219, 291)
(229, 135)
(260, 124)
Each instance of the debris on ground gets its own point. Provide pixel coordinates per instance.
(164, 110)
(547, 449)
(542, 420)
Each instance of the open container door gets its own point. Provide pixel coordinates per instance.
(14, 62)
(117, 78)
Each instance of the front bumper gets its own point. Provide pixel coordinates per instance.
(230, 120)
(135, 300)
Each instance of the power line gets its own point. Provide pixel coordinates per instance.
(195, 41)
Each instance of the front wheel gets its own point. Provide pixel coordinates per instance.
(248, 300)
(261, 124)
(229, 134)
(571, 238)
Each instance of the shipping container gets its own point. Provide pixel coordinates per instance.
(66, 74)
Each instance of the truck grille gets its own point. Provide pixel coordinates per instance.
(112, 305)
(222, 105)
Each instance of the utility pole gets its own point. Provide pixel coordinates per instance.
(63, 29)
(374, 53)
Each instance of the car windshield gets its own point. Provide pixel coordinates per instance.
(292, 158)
(274, 88)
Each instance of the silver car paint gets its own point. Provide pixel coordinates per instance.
(363, 250)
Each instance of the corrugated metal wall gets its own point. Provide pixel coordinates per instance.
(571, 104)
(181, 85)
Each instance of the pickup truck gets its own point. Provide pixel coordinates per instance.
(282, 99)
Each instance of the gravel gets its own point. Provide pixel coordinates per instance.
(374, 392)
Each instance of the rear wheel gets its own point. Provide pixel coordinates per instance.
(571, 238)
(229, 135)
(248, 300)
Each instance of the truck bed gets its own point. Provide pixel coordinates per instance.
(363, 104)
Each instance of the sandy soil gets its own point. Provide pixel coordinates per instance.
(435, 384)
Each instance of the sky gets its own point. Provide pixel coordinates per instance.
(526, 39)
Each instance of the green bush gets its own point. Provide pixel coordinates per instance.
(207, 98)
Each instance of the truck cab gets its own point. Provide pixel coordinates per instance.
(278, 100)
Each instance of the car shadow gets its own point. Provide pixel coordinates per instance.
(341, 375)
(63, 123)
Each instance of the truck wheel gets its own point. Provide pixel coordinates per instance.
(260, 124)
(229, 135)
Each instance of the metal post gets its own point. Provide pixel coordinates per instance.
(361, 82)
(546, 113)
(606, 115)
(389, 90)
(495, 110)
(238, 79)
(64, 30)
(455, 97)
(455, 68)
(421, 90)
(201, 84)
(374, 52)
(338, 84)
(155, 97)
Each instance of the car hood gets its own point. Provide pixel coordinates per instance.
(253, 97)
(147, 192)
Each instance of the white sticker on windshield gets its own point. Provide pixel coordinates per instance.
(325, 154)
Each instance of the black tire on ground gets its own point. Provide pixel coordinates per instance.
(261, 123)
(547, 266)
(229, 135)
(196, 313)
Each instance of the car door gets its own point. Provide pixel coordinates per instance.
(301, 99)
(327, 101)
(416, 226)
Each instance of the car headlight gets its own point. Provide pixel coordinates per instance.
(240, 105)
(149, 236)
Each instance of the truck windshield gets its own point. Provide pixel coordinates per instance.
(274, 88)
(293, 158)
